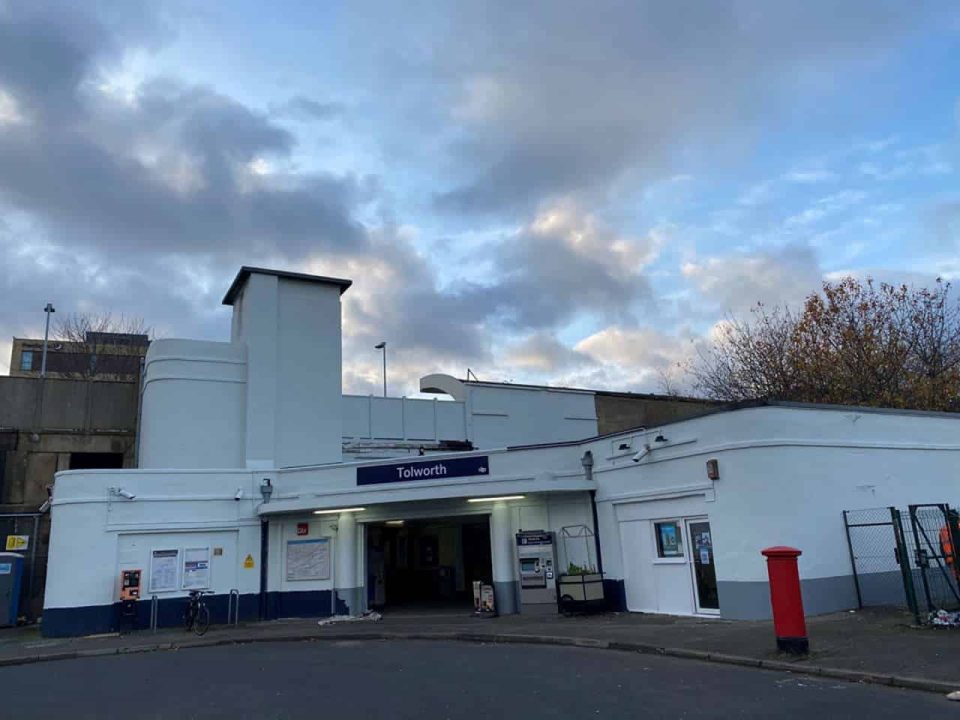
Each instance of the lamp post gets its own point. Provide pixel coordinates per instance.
(383, 346)
(49, 310)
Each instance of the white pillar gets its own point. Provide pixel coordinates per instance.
(505, 587)
(345, 577)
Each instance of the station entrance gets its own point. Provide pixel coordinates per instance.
(427, 564)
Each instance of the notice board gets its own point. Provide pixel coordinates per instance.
(308, 559)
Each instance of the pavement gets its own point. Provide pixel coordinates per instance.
(872, 646)
(432, 679)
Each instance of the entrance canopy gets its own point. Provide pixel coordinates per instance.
(425, 490)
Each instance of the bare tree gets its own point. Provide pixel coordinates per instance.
(853, 343)
(100, 344)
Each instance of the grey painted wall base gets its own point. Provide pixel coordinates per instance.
(352, 598)
(506, 595)
(751, 600)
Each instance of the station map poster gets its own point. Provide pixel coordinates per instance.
(163, 570)
(196, 568)
(308, 559)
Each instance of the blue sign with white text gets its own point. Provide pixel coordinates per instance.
(423, 470)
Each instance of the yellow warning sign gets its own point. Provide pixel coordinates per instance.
(18, 542)
(248, 563)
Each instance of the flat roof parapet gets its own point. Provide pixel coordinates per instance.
(246, 271)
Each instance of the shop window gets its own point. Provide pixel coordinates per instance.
(669, 539)
(26, 360)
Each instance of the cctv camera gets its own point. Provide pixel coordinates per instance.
(45, 506)
(642, 454)
(239, 494)
(124, 493)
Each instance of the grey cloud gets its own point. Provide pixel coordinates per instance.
(542, 352)
(774, 277)
(167, 172)
(301, 107)
(567, 96)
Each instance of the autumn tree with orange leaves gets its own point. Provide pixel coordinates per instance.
(854, 343)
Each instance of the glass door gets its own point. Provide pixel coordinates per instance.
(702, 564)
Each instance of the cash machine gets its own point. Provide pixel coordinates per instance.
(537, 560)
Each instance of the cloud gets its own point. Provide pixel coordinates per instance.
(737, 282)
(825, 207)
(563, 262)
(809, 177)
(300, 107)
(543, 353)
(561, 100)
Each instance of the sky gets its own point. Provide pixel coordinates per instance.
(560, 192)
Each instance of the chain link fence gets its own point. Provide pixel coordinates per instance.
(905, 558)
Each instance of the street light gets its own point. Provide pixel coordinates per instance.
(46, 335)
(383, 346)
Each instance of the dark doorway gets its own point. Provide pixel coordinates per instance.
(96, 461)
(427, 563)
(704, 570)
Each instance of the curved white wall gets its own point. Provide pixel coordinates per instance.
(193, 413)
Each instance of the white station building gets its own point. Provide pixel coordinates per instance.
(261, 483)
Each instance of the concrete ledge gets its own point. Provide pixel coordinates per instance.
(795, 667)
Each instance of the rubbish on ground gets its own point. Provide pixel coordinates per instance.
(369, 616)
(944, 618)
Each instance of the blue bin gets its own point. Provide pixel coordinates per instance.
(11, 577)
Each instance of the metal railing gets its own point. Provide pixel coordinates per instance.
(233, 607)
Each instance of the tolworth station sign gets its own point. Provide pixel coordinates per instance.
(424, 470)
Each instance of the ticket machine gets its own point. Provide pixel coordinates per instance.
(536, 557)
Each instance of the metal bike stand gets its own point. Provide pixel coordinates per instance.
(233, 607)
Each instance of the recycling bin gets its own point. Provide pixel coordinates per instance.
(11, 576)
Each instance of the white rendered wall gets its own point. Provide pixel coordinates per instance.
(378, 418)
(786, 475)
(504, 416)
(193, 410)
(508, 415)
(95, 533)
(291, 330)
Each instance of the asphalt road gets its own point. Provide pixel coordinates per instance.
(425, 680)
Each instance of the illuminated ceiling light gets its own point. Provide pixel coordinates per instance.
(337, 511)
(495, 499)
(394, 522)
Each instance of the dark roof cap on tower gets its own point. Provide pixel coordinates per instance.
(246, 271)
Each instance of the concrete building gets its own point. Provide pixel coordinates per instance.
(100, 355)
(47, 426)
(245, 488)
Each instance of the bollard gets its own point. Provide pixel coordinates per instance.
(154, 601)
(786, 600)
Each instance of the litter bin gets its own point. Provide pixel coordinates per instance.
(11, 574)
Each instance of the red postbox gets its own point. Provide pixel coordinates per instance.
(786, 599)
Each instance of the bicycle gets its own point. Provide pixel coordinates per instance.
(197, 615)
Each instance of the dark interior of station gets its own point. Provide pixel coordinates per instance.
(428, 563)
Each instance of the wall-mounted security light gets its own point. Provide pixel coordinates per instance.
(337, 511)
(496, 499)
(239, 494)
(713, 469)
(122, 493)
(266, 489)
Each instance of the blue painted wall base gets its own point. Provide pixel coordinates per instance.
(95, 619)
